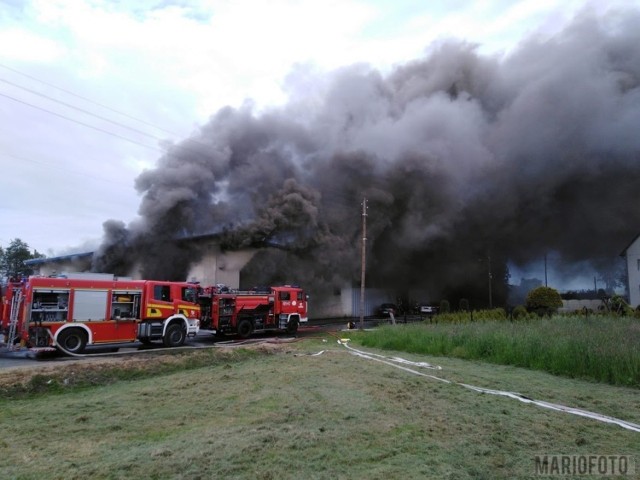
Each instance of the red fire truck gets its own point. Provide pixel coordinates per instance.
(75, 312)
(280, 308)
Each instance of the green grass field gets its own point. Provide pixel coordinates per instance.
(285, 414)
(605, 349)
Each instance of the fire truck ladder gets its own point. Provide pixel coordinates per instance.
(16, 303)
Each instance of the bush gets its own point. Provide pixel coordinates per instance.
(495, 314)
(543, 301)
(519, 313)
(444, 306)
(619, 306)
(490, 315)
(463, 305)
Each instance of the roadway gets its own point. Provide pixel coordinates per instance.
(203, 339)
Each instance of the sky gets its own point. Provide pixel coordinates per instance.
(92, 92)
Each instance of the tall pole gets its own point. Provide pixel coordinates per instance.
(490, 276)
(364, 249)
(545, 271)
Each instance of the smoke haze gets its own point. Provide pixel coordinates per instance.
(462, 157)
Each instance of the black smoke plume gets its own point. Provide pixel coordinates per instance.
(468, 161)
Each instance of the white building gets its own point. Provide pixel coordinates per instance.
(214, 267)
(632, 257)
(53, 266)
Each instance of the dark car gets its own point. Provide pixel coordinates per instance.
(386, 309)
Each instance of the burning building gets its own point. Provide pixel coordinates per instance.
(463, 157)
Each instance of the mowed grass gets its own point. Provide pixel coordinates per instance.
(286, 414)
(604, 349)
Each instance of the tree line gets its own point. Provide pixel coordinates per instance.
(12, 260)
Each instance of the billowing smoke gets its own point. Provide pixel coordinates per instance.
(467, 161)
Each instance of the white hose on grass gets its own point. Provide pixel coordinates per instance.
(514, 395)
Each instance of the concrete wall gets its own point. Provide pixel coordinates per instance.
(220, 267)
(345, 303)
(570, 306)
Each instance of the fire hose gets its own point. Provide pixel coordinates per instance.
(399, 363)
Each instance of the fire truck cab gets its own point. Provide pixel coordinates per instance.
(72, 313)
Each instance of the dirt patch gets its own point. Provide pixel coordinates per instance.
(22, 375)
(69, 370)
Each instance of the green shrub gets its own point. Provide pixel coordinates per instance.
(444, 306)
(519, 313)
(495, 314)
(619, 306)
(543, 301)
(463, 305)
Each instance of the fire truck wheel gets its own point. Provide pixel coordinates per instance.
(175, 336)
(292, 326)
(73, 340)
(245, 328)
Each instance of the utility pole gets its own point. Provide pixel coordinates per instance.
(364, 249)
(490, 277)
(545, 271)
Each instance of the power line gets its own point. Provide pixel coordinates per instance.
(181, 146)
(178, 146)
(65, 117)
(80, 109)
(80, 123)
(88, 100)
